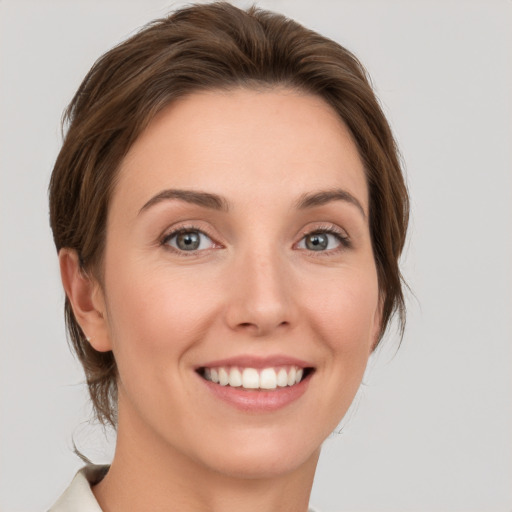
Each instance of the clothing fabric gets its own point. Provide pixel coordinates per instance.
(78, 497)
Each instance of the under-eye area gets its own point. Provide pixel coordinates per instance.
(271, 378)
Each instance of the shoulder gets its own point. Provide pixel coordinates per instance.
(78, 497)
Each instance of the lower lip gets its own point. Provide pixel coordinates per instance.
(253, 400)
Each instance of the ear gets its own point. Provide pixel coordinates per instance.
(87, 300)
(377, 323)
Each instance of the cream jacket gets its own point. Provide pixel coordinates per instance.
(78, 497)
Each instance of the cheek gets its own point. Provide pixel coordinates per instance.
(344, 324)
(345, 312)
(342, 313)
(156, 309)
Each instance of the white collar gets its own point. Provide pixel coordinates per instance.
(78, 497)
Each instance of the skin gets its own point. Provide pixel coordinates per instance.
(253, 288)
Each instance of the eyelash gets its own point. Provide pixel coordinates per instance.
(342, 238)
(185, 229)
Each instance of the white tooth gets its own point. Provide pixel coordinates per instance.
(223, 377)
(250, 378)
(298, 376)
(235, 378)
(291, 376)
(207, 374)
(282, 378)
(214, 375)
(268, 379)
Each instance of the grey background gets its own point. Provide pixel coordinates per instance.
(432, 426)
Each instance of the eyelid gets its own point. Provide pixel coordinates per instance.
(183, 228)
(329, 228)
(333, 229)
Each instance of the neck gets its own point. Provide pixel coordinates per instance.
(149, 474)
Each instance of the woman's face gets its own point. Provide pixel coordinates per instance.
(238, 248)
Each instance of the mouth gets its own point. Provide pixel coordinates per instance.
(272, 378)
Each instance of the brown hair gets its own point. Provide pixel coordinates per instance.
(212, 46)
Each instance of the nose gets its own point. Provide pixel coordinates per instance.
(261, 300)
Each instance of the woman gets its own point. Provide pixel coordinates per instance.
(229, 210)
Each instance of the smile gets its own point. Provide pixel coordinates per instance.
(270, 378)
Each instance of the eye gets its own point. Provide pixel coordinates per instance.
(322, 241)
(189, 240)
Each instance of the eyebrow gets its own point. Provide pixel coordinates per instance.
(326, 196)
(204, 199)
(216, 202)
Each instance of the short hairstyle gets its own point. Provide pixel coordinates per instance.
(212, 46)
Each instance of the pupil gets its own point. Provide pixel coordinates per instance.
(317, 242)
(188, 241)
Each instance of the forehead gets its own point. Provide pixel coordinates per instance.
(242, 144)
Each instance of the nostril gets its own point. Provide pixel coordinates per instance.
(262, 328)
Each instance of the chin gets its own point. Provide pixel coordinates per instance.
(258, 467)
(265, 456)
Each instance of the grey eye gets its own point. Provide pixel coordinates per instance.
(189, 240)
(317, 241)
(320, 241)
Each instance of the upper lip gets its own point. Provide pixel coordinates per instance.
(258, 362)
